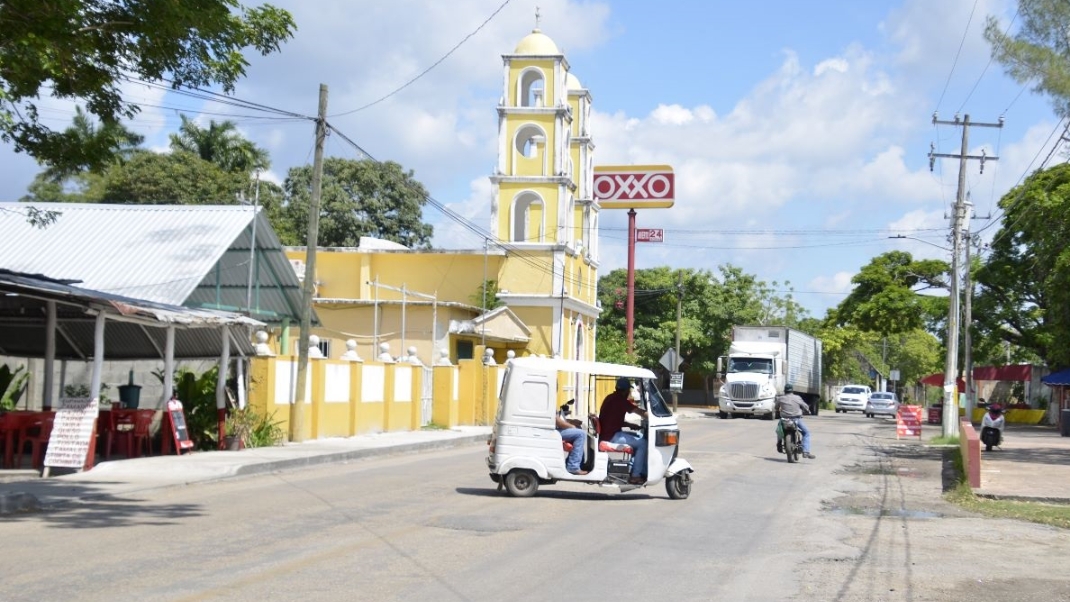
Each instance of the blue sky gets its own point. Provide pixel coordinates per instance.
(799, 131)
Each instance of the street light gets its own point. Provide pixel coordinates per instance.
(932, 244)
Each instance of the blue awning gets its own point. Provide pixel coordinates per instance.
(1057, 379)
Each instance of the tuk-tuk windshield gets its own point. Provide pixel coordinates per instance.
(655, 402)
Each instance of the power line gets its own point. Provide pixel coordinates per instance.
(426, 71)
(955, 62)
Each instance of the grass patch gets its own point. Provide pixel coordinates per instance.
(434, 427)
(1055, 515)
(943, 440)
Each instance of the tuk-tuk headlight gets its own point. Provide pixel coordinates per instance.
(665, 438)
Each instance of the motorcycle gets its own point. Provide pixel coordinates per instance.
(991, 437)
(792, 438)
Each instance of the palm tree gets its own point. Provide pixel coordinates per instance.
(221, 144)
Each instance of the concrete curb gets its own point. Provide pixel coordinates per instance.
(356, 454)
(1023, 498)
(25, 502)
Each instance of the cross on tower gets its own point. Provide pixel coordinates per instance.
(537, 17)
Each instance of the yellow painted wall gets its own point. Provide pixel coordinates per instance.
(547, 68)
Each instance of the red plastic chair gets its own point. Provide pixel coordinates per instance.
(39, 442)
(142, 433)
(120, 428)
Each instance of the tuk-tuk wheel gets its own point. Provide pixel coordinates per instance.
(521, 483)
(678, 486)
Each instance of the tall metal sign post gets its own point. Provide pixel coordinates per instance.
(634, 187)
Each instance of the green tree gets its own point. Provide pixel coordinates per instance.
(359, 198)
(1038, 53)
(711, 305)
(80, 177)
(86, 49)
(1024, 286)
(220, 144)
(885, 298)
(157, 178)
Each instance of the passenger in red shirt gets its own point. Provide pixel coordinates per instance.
(611, 421)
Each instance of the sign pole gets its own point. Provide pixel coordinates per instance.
(630, 311)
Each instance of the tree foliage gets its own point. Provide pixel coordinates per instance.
(711, 305)
(1038, 53)
(220, 144)
(87, 49)
(885, 298)
(359, 198)
(1024, 286)
(180, 178)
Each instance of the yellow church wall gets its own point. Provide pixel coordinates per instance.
(532, 274)
(546, 66)
(516, 162)
(540, 320)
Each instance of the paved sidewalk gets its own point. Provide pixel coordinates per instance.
(25, 491)
(1032, 464)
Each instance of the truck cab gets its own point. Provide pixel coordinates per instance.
(752, 380)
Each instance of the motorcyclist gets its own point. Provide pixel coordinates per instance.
(791, 406)
(992, 426)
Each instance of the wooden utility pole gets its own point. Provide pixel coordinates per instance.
(297, 409)
(951, 401)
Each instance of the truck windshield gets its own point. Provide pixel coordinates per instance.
(761, 365)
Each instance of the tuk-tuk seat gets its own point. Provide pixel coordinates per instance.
(606, 446)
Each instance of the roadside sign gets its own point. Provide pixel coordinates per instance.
(908, 422)
(634, 186)
(669, 360)
(649, 235)
(894, 376)
(676, 381)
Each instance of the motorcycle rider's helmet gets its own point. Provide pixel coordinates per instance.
(788, 389)
(995, 409)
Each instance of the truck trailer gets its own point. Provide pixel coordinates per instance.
(760, 361)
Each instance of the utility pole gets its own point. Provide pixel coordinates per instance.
(298, 407)
(967, 323)
(679, 319)
(951, 402)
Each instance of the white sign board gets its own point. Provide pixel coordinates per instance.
(676, 381)
(72, 432)
(894, 375)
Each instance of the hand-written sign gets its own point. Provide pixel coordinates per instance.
(72, 432)
(908, 422)
(177, 419)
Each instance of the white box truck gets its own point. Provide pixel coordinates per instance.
(760, 361)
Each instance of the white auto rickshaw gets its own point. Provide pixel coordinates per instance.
(526, 450)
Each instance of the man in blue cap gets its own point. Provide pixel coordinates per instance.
(611, 420)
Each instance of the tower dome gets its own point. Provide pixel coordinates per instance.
(536, 42)
(572, 82)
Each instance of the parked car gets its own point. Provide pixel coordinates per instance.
(882, 402)
(852, 397)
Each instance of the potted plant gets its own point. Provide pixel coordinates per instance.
(239, 427)
(12, 384)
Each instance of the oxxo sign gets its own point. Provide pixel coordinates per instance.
(634, 186)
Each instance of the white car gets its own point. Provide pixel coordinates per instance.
(882, 402)
(853, 397)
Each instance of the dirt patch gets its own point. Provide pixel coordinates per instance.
(906, 542)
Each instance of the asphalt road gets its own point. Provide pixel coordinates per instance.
(864, 521)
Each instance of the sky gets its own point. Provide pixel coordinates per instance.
(799, 132)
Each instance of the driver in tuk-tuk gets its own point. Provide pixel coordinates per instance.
(611, 419)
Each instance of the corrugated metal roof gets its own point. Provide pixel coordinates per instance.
(134, 329)
(192, 255)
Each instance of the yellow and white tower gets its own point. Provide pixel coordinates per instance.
(543, 215)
